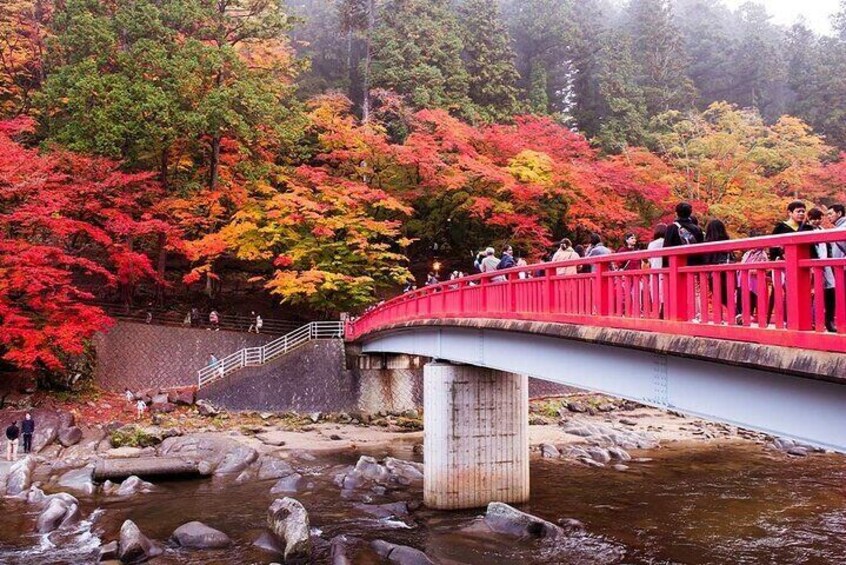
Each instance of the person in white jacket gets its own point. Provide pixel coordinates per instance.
(565, 252)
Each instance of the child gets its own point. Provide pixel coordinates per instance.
(141, 407)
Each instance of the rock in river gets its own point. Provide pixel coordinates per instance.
(135, 547)
(504, 519)
(288, 520)
(400, 554)
(197, 535)
(59, 512)
(20, 476)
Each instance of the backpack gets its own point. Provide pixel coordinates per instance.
(687, 238)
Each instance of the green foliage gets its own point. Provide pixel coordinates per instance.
(133, 436)
(417, 52)
(157, 84)
(489, 60)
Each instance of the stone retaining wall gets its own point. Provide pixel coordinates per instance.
(315, 377)
(139, 356)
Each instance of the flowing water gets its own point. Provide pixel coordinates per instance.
(738, 504)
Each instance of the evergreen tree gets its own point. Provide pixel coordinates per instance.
(711, 47)
(659, 50)
(623, 109)
(758, 68)
(416, 51)
(538, 87)
(543, 31)
(489, 60)
(589, 17)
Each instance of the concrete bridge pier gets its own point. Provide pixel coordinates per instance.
(476, 436)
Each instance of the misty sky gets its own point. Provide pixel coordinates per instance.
(815, 12)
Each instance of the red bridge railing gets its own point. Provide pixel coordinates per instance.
(771, 302)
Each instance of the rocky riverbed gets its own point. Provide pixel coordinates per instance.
(321, 487)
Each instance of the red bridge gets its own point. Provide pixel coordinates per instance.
(683, 298)
(744, 343)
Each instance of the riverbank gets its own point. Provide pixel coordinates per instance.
(60, 495)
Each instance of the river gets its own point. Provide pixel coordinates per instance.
(710, 504)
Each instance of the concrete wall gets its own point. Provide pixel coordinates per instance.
(311, 378)
(321, 376)
(138, 356)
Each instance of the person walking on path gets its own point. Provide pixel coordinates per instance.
(12, 435)
(214, 320)
(27, 429)
(256, 323)
(195, 318)
(565, 252)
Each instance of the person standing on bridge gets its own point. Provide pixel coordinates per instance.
(684, 230)
(488, 262)
(596, 249)
(629, 246)
(815, 217)
(565, 252)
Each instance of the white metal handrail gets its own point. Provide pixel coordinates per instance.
(257, 356)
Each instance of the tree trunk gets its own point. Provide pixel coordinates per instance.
(160, 269)
(164, 166)
(365, 80)
(214, 163)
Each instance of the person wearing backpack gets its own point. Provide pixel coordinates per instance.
(683, 231)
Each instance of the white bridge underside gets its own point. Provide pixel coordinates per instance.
(804, 409)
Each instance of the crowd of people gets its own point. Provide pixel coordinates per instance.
(684, 230)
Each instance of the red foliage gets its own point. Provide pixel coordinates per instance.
(67, 224)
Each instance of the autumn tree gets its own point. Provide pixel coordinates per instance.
(22, 44)
(737, 167)
(70, 227)
(326, 233)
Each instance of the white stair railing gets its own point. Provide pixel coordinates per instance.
(256, 356)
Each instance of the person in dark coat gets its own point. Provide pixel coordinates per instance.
(684, 230)
(27, 429)
(12, 435)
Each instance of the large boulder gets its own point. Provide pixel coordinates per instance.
(206, 408)
(135, 547)
(80, 480)
(20, 476)
(509, 521)
(70, 436)
(288, 520)
(217, 455)
(184, 397)
(400, 554)
(196, 535)
(59, 513)
(404, 472)
(130, 486)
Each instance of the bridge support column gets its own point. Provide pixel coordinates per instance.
(476, 442)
